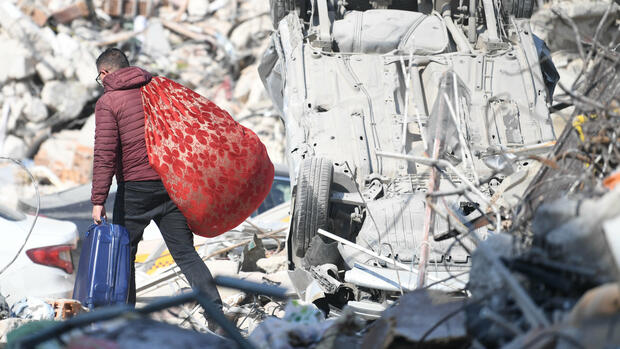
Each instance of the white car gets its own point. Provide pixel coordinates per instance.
(44, 268)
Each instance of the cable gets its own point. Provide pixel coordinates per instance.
(36, 215)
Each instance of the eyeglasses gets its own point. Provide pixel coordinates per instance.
(98, 78)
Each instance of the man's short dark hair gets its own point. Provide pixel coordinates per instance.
(112, 59)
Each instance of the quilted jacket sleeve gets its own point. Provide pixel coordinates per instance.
(106, 152)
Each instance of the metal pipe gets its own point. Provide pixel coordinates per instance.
(489, 14)
(251, 287)
(407, 74)
(369, 252)
(362, 249)
(465, 149)
(429, 214)
(471, 25)
(380, 278)
(419, 102)
(113, 312)
(459, 38)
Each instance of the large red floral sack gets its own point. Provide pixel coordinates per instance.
(215, 170)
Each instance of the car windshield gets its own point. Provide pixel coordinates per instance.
(11, 214)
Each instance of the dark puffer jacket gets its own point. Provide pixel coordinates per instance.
(119, 133)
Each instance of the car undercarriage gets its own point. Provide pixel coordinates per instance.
(405, 128)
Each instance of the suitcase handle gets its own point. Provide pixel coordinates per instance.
(103, 222)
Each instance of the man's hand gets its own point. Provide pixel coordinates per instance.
(98, 213)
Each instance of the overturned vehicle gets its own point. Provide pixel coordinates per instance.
(404, 126)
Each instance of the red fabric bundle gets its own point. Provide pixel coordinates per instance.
(215, 170)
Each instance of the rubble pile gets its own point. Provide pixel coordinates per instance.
(47, 70)
(562, 245)
(249, 253)
(569, 28)
(545, 265)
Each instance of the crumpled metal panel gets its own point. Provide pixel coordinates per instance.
(400, 221)
(414, 317)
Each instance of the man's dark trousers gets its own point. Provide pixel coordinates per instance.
(139, 202)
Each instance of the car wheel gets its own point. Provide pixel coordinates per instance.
(311, 207)
(518, 8)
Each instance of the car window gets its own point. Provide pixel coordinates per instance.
(11, 214)
(280, 193)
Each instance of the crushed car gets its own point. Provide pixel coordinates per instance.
(403, 124)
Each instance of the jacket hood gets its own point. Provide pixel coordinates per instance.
(126, 78)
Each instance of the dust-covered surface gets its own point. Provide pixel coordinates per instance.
(542, 255)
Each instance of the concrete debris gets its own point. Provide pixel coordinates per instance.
(34, 109)
(301, 326)
(17, 60)
(67, 155)
(71, 12)
(65, 98)
(553, 24)
(4, 308)
(66, 308)
(520, 245)
(197, 8)
(155, 42)
(14, 147)
(428, 326)
(50, 46)
(33, 309)
(273, 264)
(562, 245)
(129, 8)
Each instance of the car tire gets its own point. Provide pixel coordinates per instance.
(311, 203)
(518, 8)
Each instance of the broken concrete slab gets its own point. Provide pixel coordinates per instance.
(14, 147)
(21, 27)
(67, 14)
(85, 67)
(197, 8)
(243, 35)
(273, 264)
(66, 157)
(422, 316)
(67, 98)
(17, 61)
(586, 15)
(65, 46)
(38, 14)
(34, 109)
(45, 69)
(155, 39)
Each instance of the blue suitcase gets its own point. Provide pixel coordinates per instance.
(103, 271)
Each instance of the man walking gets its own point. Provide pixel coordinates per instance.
(141, 196)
